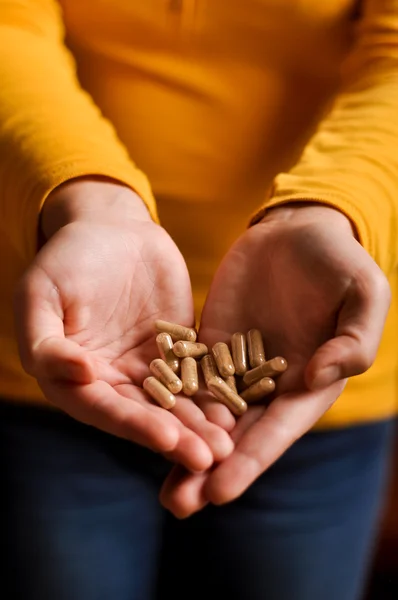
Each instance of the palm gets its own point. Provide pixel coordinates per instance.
(93, 294)
(131, 280)
(282, 287)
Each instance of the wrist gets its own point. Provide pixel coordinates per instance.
(307, 212)
(95, 200)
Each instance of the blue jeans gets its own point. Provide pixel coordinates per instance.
(80, 519)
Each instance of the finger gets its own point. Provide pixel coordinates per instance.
(246, 421)
(63, 359)
(358, 334)
(183, 493)
(191, 451)
(286, 419)
(214, 411)
(100, 405)
(44, 350)
(217, 439)
(130, 414)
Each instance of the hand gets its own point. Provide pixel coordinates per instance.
(85, 310)
(320, 301)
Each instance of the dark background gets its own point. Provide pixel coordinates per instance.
(383, 583)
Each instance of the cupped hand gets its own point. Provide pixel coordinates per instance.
(320, 301)
(85, 310)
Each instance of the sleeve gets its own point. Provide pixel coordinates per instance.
(50, 129)
(351, 162)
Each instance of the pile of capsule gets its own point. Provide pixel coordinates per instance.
(225, 370)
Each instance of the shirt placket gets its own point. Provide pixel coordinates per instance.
(184, 11)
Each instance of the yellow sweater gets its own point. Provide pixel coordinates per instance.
(226, 106)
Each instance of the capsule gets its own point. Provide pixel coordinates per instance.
(231, 383)
(209, 368)
(258, 390)
(159, 393)
(255, 348)
(161, 370)
(271, 368)
(223, 359)
(177, 332)
(189, 376)
(165, 347)
(225, 395)
(239, 352)
(193, 349)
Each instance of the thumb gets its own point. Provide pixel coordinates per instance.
(44, 350)
(360, 324)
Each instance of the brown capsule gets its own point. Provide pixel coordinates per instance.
(189, 376)
(184, 349)
(159, 392)
(231, 383)
(271, 368)
(258, 390)
(209, 368)
(177, 332)
(165, 347)
(161, 370)
(255, 348)
(239, 352)
(223, 359)
(225, 395)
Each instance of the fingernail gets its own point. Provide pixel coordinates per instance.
(326, 377)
